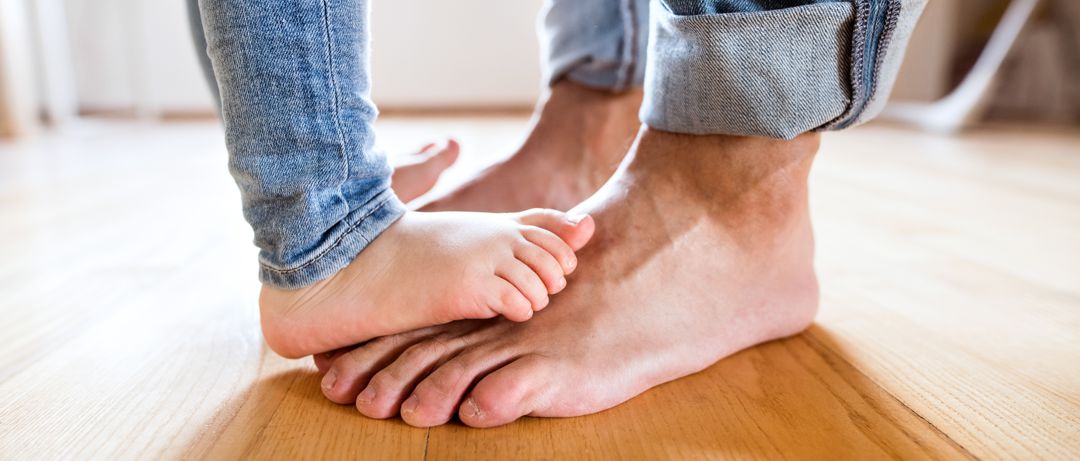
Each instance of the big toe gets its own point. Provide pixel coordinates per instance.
(574, 229)
(508, 393)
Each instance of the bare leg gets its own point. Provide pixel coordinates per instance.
(577, 138)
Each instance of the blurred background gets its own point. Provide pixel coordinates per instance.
(64, 59)
(128, 288)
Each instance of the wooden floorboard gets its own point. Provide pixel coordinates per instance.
(949, 328)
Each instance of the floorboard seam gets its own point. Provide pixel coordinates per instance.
(427, 438)
(820, 346)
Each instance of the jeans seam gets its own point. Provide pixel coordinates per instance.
(337, 242)
(342, 148)
(892, 12)
(629, 50)
(863, 89)
(855, 63)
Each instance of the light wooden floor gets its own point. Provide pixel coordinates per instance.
(950, 325)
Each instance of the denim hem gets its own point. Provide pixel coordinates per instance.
(899, 27)
(879, 38)
(358, 230)
(595, 79)
(775, 73)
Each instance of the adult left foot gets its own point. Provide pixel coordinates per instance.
(703, 247)
(577, 139)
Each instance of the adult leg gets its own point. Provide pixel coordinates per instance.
(704, 245)
(341, 261)
(594, 66)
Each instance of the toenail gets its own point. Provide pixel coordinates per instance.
(571, 263)
(562, 281)
(329, 380)
(410, 404)
(470, 408)
(366, 397)
(575, 218)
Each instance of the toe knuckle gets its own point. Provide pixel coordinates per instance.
(523, 247)
(444, 383)
(511, 299)
(381, 380)
(424, 350)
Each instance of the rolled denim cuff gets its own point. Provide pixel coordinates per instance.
(340, 245)
(775, 73)
(898, 29)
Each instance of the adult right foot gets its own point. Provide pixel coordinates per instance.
(429, 269)
(577, 139)
(703, 248)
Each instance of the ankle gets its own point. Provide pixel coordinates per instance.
(596, 102)
(594, 120)
(760, 183)
(583, 134)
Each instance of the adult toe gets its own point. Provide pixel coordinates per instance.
(436, 398)
(388, 387)
(508, 393)
(349, 372)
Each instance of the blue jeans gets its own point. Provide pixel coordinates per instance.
(774, 68)
(294, 85)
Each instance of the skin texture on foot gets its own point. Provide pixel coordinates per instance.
(416, 174)
(429, 269)
(703, 248)
(577, 138)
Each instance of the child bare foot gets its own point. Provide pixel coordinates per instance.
(429, 269)
(415, 174)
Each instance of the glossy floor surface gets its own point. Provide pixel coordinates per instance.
(949, 328)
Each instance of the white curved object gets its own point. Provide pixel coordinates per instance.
(967, 102)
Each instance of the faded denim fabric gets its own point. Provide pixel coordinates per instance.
(295, 88)
(775, 68)
(294, 94)
(597, 43)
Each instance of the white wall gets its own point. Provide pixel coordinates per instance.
(138, 54)
(426, 53)
(455, 53)
(133, 53)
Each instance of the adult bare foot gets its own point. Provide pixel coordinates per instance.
(577, 139)
(703, 248)
(415, 174)
(429, 269)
